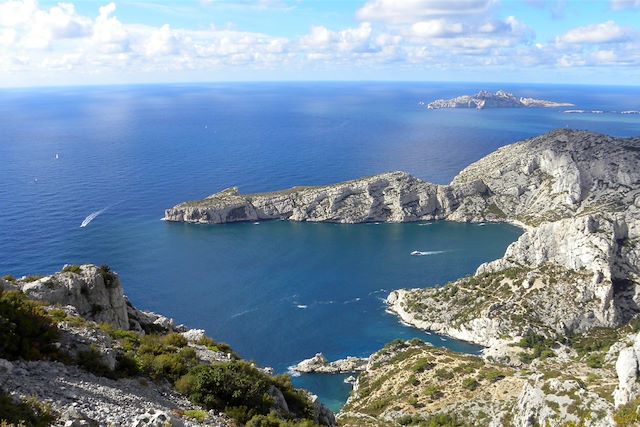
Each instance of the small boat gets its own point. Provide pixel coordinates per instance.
(57, 157)
(419, 253)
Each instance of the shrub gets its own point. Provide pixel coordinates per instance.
(91, 360)
(217, 346)
(227, 385)
(127, 365)
(108, 276)
(196, 414)
(493, 375)
(72, 269)
(433, 392)
(175, 340)
(470, 383)
(442, 420)
(595, 360)
(422, 365)
(627, 415)
(28, 412)
(540, 346)
(241, 391)
(9, 278)
(272, 420)
(444, 374)
(26, 331)
(32, 278)
(297, 400)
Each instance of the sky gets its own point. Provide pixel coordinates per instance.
(91, 42)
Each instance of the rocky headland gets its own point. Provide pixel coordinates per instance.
(559, 308)
(320, 364)
(500, 99)
(75, 352)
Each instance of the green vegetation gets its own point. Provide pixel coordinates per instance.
(627, 415)
(437, 420)
(470, 383)
(198, 415)
(540, 347)
(32, 278)
(108, 276)
(433, 392)
(494, 210)
(165, 356)
(595, 360)
(9, 278)
(444, 374)
(422, 365)
(72, 269)
(272, 420)
(91, 360)
(28, 412)
(25, 329)
(240, 390)
(492, 375)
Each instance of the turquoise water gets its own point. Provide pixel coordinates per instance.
(277, 292)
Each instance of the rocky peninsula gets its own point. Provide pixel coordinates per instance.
(320, 364)
(500, 99)
(75, 352)
(557, 314)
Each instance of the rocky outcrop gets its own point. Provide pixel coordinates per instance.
(112, 373)
(320, 364)
(628, 372)
(394, 197)
(95, 293)
(500, 99)
(558, 175)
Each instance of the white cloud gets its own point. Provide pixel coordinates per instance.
(436, 28)
(624, 4)
(32, 28)
(606, 32)
(415, 34)
(411, 11)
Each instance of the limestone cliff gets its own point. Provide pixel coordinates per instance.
(561, 174)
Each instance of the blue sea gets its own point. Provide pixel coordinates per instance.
(278, 292)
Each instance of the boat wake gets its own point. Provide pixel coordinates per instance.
(426, 253)
(92, 216)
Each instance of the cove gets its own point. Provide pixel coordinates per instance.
(281, 291)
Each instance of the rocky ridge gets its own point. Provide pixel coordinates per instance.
(500, 99)
(413, 383)
(85, 381)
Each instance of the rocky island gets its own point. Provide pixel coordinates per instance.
(500, 99)
(557, 314)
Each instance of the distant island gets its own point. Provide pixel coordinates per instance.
(500, 99)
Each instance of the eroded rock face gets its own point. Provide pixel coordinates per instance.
(558, 175)
(393, 197)
(95, 293)
(628, 371)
